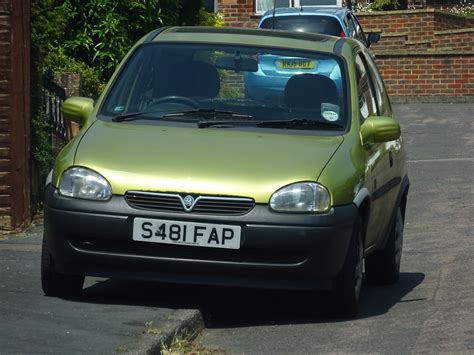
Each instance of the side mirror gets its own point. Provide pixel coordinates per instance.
(78, 109)
(373, 37)
(379, 129)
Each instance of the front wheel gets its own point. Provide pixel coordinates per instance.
(383, 266)
(348, 283)
(55, 283)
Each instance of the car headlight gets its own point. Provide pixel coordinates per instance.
(84, 183)
(301, 197)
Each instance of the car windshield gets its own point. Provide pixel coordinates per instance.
(315, 24)
(195, 83)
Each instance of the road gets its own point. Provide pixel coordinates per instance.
(431, 309)
(110, 317)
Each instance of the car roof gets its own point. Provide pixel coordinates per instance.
(249, 36)
(307, 10)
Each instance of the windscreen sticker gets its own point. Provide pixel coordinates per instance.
(119, 108)
(330, 112)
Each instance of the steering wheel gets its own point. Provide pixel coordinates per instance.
(178, 99)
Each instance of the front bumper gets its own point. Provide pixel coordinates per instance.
(278, 250)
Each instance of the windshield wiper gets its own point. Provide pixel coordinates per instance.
(131, 115)
(298, 122)
(208, 112)
(293, 123)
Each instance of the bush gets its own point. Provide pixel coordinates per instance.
(205, 18)
(101, 32)
(384, 5)
(464, 8)
(91, 83)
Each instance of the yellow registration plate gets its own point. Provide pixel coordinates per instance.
(296, 64)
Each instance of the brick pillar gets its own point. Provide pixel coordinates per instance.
(71, 83)
(15, 160)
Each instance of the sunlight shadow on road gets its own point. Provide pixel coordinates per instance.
(230, 307)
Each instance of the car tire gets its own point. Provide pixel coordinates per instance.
(383, 266)
(348, 283)
(54, 283)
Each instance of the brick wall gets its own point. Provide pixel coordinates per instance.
(239, 13)
(426, 75)
(424, 55)
(445, 21)
(14, 114)
(418, 30)
(415, 25)
(5, 79)
(461, 39)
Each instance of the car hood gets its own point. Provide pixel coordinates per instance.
(231, 162)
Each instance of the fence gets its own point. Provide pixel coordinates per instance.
(54, 96)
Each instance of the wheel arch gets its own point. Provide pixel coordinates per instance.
(402, 202)
(362, 201)
(404, 197)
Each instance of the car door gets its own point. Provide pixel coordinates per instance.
(393, 175)
(377, 157)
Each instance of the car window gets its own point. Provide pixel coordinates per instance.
(314, 24)
(380, 91)
(266, 84)
(347, 24)
(359, 33)
(351, 26)
(367, 102)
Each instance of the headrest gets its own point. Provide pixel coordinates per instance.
(309, 91)
(204, 80)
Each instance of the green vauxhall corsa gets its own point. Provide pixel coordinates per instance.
(178, 176)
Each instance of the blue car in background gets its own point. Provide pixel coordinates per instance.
(273, 72)
(334, 21)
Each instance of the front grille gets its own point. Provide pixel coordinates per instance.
(168, 202)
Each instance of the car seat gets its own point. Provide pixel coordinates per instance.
(198, 80)
(309, 91)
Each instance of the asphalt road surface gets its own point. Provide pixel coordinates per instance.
(431, 308)
(109, 317)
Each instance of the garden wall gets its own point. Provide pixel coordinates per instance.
(428, 77)
(424, 55)
(419, 29)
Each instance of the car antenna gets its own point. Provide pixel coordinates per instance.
(273, 16)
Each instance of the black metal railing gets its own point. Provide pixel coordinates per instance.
(54, 96)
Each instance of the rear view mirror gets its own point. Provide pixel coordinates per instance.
(237, 63)
(379, 129)
(373, 37)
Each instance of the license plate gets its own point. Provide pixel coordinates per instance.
(186, 233)
(296, 64)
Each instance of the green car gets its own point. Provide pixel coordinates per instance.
(177, 176)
